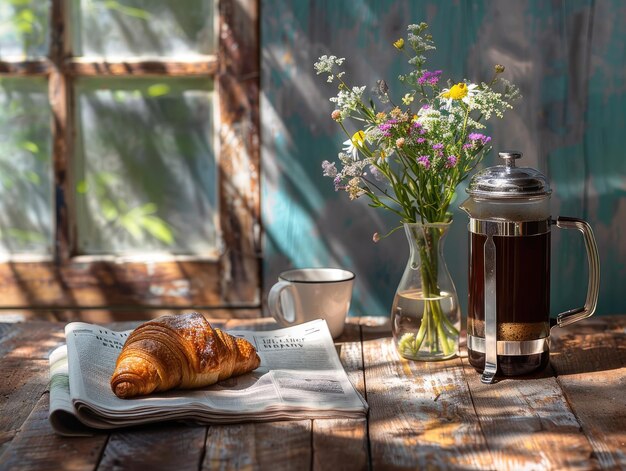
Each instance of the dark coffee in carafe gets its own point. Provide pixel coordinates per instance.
(508, 322)
(522, 297)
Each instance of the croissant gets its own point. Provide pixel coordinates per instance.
(179, 351)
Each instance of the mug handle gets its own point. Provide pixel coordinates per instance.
(276, 306)
(593, 259)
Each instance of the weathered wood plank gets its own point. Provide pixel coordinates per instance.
(201, 67)
(24, 371)
(239, 171)
(120, 316)
(590, 361)
(528, 424)
(274, 445)
(155, 447)
(37, 447)
(342, 443)
(110, 283)
(61, 106)
(334, 443)
(24, 68)
(421, 413)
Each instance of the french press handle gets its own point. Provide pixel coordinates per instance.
(593, 289)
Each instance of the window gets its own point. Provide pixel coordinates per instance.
(129, 153)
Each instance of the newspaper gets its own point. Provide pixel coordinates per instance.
(300, 377)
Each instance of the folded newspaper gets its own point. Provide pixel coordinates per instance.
(300, 377)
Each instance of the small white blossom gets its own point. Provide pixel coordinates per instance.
(329, 169)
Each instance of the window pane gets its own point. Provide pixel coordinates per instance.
(26, 221)
(122, 28)
(24, 28)
(145, 168)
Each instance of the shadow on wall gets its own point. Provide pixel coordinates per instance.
(553, 51)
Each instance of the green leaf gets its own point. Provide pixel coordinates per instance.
(32, 177)
(30, 146)
(106, 178)
(24, 27)
(104, 181)
(109, 211)
(158, 228)
(26, 15)
(20, 3)
(148, 208)
(25, 235)
(131, 226)
(141, 211)
(158, 89)
(126, 10)
(82, 187)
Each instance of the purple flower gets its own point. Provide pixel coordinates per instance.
(451, 161)
(424, 161)
(338, 185)
(421, 140)
(438, 146)
(478, 138)
(385, 127)
(425, 107)
(429, 77)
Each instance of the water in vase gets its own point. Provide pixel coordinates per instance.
(424, 326)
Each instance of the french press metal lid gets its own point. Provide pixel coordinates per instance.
(509, 181)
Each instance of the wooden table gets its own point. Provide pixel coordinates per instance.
(422, 415)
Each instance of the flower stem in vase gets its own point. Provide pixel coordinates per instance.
(426, 308)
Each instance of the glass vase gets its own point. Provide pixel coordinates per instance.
(425, 316)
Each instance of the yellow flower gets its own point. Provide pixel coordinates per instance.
(457, 92)
(352, 145)
(358, 138)
(399, 44)
(407, 99)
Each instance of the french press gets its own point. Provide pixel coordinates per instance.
(508, 325)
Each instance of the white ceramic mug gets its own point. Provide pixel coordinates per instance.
(306, 294)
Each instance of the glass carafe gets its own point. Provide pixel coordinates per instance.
(508, 325)
(425, 316)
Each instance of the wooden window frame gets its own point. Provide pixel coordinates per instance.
(233, 279)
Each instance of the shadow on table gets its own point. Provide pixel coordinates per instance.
(594, 345)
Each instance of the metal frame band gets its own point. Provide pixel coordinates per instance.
(510, 347)
(509, 228)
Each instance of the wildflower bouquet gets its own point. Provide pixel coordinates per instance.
(409, 157)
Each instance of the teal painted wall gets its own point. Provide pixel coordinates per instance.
(569, 59)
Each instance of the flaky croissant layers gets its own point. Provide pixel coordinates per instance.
(179, 351)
